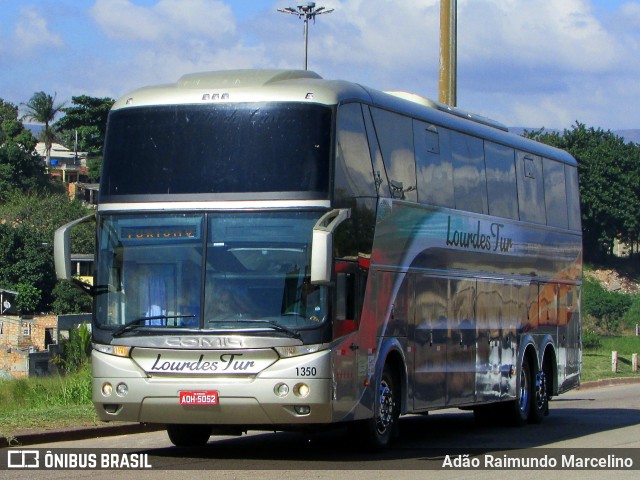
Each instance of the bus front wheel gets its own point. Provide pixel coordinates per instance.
(189, 435)
(379, 430)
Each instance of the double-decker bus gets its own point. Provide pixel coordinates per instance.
(279, 251)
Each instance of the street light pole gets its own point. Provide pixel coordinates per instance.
(306, 11)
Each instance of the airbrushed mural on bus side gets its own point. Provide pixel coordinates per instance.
(459, 295)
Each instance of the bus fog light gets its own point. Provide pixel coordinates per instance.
(107, 389)
(281, 389)
(301, 390)
(122, 389)
(302, 409)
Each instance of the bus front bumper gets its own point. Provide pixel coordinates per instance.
(248, 401)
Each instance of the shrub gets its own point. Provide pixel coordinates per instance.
(632, 315)
(591, 339)
(607, 308)
(76, 351)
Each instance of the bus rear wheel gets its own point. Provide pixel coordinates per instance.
(540, 403)
(522, 404)
(189, 435)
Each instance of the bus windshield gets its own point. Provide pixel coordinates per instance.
(215, 150)
(217, 271)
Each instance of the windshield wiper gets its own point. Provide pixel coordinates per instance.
(136, 323)
(274, 325)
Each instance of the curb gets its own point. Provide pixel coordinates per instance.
(76, 433)
(606, 382)
(107, 430)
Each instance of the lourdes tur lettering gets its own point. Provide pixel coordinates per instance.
(491, 240)
(227, 362)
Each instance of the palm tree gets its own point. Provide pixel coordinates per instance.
(42, 108)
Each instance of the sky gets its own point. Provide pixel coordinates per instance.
(526, 63)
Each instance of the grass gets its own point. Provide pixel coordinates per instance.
(596, 363)
(46, 402)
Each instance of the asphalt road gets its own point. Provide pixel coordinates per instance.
(605, 418)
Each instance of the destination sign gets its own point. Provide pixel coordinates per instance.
(145, 233)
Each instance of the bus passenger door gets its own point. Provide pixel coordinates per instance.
(347, 364)
(461, 343)
(428, 342)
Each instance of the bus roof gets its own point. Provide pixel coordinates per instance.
(242, 86)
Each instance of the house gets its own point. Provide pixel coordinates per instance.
(65, 164)
(27, 345)
(82, 267)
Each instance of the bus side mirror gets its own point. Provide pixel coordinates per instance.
(62, 250)
(322, 245)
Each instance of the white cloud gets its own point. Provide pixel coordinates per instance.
(31, 31)
(166, 21)
(561, 35)
(523, 62)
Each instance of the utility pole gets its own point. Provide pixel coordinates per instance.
(447, 91)
(306, 11)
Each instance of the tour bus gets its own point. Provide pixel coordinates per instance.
(277, 251)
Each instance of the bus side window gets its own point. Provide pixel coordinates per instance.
(501, 180)
(555, 193)
(573, 197)
(434, 170)
(530, 188)
(380, 173)
(469, 177)
(354, 175)
(395, 134)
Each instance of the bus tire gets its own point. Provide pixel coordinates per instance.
(539, 397)
(189, 435)
(522, 404)
(381, 429)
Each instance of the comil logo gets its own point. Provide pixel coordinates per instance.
(23, 459)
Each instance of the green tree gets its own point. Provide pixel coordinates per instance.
(609, 189)
(69, 299)
(20, 168)
(8, 112)
(27, 225)
(88, 117)
(42, 108)
(28, 298)
(24, 260)
(94, 166)
(86, 121)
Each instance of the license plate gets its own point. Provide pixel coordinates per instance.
(206, 397)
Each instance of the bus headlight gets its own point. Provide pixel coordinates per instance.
(107, 389)
(117, 350)
(301, 390)
(122, 389)
(281, 389)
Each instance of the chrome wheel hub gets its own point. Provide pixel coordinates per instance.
(386, 405)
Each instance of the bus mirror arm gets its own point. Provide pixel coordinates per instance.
(62, 252)
(322, 244)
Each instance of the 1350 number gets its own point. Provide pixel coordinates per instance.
(306, 371)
